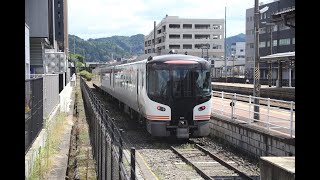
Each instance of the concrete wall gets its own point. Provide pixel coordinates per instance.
(254, 141)
(38, 144)
(65, 98)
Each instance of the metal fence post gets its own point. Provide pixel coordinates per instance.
(291, 118)
(249, 109)
(105, 139)
(233, 104)
(100, 148)
(268, 122)
(222, 101)
(133, 163)
(120, 152)
(111, 147)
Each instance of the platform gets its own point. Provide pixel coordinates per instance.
(273, 92)
(277, 168)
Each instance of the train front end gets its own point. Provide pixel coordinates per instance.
(180, 85)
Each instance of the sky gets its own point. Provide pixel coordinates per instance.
(106, 18)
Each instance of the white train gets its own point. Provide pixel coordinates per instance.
(170, 93)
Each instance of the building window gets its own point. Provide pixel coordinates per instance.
(58, 3)
(199, 46)
(262, 30)
(174, 46)
(216, 46)
(216, 36)
(251, 45)
(187, 26)
(262, 44)
(274, 43)
(174, 26)
(202, 36)
(216, 26)
(268, 43)
(241, 50)
(187, 46)
(174, 36)
(284, 41)
(202, 26)
(250, 18)
(275, 28)
(187, 36)
(145, 51)
(293, 40)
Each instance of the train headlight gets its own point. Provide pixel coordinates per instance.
(161, 108)
(202, 108)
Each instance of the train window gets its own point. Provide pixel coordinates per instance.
(158, 81)
(203, 83)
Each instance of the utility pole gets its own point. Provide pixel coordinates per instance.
(233, 67)
(256, 90)
(74, 44)
(225, 41)
(154, 36)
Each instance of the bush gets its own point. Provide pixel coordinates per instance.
(85, 74)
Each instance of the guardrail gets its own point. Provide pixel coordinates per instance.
(114, 158)
(271, 116)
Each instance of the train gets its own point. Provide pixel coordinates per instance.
(170, 94)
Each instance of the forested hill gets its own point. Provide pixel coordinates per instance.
(102, 49)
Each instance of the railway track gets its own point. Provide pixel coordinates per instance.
(210, 166)
(163, 161)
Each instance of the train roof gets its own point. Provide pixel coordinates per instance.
(169, 57)
(160, 58)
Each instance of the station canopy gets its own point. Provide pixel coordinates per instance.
(287, 56)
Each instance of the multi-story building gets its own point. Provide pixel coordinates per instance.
(61, 25)
(198, 37)
(47, 24)
(274, 37)
(235, 62)
(238, 50)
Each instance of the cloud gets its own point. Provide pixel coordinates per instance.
(105, 18)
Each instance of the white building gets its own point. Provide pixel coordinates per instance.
(198, 37)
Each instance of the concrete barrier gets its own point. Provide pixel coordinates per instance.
(277, 168)
(251, 140)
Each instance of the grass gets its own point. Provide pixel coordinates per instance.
(43, 163)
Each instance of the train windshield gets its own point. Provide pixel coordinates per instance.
(178, 80)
